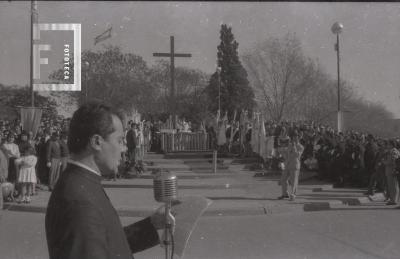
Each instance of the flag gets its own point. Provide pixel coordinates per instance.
(217, 117)
(30, 118)
(232, 126)
(105, 35)
(225, 118)
(262, 141)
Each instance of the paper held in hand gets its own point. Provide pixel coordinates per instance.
(187, 212)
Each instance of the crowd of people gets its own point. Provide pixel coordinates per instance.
(347, 158)
(30, 163)
(138, 139)
(27, 160)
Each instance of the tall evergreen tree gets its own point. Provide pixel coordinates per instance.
(236, 93)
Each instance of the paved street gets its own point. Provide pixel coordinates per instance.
(326, 234)
(245, 219)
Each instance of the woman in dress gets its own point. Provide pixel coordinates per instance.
(27, 174)
(11, 151)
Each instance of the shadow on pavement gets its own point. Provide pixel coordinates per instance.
(341, 191)
(241, 198)
(383, 207)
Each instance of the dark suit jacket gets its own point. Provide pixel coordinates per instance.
(131, 139)
(64, 151)
(82, 223)
(53, 150)
(371, 150)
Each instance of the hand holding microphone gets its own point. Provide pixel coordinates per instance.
(159, 221)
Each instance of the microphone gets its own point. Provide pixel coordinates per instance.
(165, 190)
(165, 187)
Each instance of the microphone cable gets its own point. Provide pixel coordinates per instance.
(172, 243)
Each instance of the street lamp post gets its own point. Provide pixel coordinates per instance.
(337, 29)
(34, 20)
(87, 65)
(215, 152)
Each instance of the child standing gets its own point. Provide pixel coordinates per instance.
(27, 174)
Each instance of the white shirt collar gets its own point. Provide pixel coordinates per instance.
(74, 162)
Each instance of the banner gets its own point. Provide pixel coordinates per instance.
(30, 119)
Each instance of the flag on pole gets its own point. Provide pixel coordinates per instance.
(262, 141)
(232, 126)
(30, 118)
(225, 118)
(217, 117)
(105, 35)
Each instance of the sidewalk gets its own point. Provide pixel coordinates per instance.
(235, 191)
(239, 194)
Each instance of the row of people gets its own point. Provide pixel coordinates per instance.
(347, 158)
(44, 160)
(138, 142)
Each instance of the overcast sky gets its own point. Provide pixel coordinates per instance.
(370, 42)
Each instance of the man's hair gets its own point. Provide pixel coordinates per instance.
(90, 119)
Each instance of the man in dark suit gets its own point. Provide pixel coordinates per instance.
(53, 157)
(131, 144)
(371, 152)
(80, 219)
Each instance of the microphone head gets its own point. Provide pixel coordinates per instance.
(165, 187)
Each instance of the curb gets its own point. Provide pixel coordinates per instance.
(183, 187)
(143, 212)
(343, 201)
(244, 211)
(23, 208)
(191, 175)
(317, 206)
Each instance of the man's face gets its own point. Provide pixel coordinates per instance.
(107, 159)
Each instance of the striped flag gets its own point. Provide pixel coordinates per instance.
(105, 35)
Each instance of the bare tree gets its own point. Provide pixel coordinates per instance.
(279, 72)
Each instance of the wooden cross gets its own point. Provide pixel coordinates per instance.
(172, 56)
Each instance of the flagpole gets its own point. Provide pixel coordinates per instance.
(34, 19)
